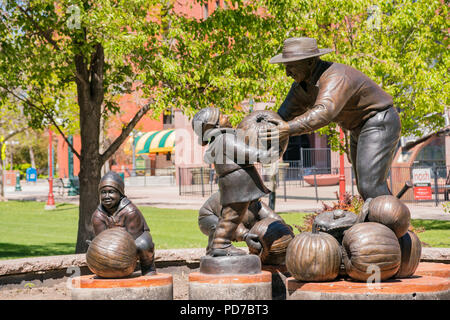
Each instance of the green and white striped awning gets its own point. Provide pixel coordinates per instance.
(162, 141)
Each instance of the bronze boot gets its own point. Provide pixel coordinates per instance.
(146, 253)
(147, 262)
(230, 218)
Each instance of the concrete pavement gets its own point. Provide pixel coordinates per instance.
(300, 199)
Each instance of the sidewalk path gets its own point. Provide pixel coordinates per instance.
(162, 196)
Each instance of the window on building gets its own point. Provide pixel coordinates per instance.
(433, 154)
(205, 11)
(217, 4)
(168, 117)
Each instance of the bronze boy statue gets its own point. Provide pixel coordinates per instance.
(325, 92)
(239, 181)
(116, 210)
(210, 213)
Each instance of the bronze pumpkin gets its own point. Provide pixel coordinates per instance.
(112, 254)
(275, 236)
(335, 222)
(371, 246)
(391, 212)
(258, 120)
(411, 251)
(313, 256)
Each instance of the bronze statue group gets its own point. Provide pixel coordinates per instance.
(322, 92)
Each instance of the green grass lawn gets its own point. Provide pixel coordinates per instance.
(27, 230)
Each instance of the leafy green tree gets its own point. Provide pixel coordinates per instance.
(12, 123)
(402, 45)
(31, 151)
(80, 55)
(76, 57)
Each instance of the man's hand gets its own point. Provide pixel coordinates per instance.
(269, 156)
(253, 241)
(280, 132)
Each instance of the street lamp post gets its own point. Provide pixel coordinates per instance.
(341, 169)
(18, 187)
(50, 200)
(133, 136)
(72, 191)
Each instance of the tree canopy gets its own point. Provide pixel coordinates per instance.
(71, 60)
(401, 45)
(67, 62)
(187, 63)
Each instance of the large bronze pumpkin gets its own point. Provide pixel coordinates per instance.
(313, 256)
(411, 251)
(391, 212)
(112, 254)
(370, 246)
(275, 236)
(258, 120)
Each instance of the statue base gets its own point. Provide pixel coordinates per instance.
(134, 287)
(245, 264)
(230, 278)
(413, 288)
(279, 275)
(433, 269)
(230, 286)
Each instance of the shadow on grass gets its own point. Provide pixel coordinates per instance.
(65, 206)
(58, 206)
(431, 224)
(15, 251)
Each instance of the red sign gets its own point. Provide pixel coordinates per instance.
(422, 184)
(422, 193)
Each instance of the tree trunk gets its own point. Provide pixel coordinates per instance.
(90, 174)
(90, 98)
(30, 148)
(90, 94)
(103, 147)
(2, 175)
(32, 159)
(89, 179)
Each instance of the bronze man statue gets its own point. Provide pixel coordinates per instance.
(211, 211)
(325, 92)
(117, 211)
(239, 181)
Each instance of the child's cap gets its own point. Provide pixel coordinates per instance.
(112, 179)
(204, 117)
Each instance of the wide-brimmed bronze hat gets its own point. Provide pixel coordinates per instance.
(298, 49)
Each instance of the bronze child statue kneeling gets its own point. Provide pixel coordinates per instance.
(117, 211)
(211, 211)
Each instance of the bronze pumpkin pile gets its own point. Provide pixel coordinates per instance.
(378, 242)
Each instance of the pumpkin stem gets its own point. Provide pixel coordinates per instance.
(315, 229)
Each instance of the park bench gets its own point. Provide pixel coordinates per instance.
(75, 182)
(61, 185)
